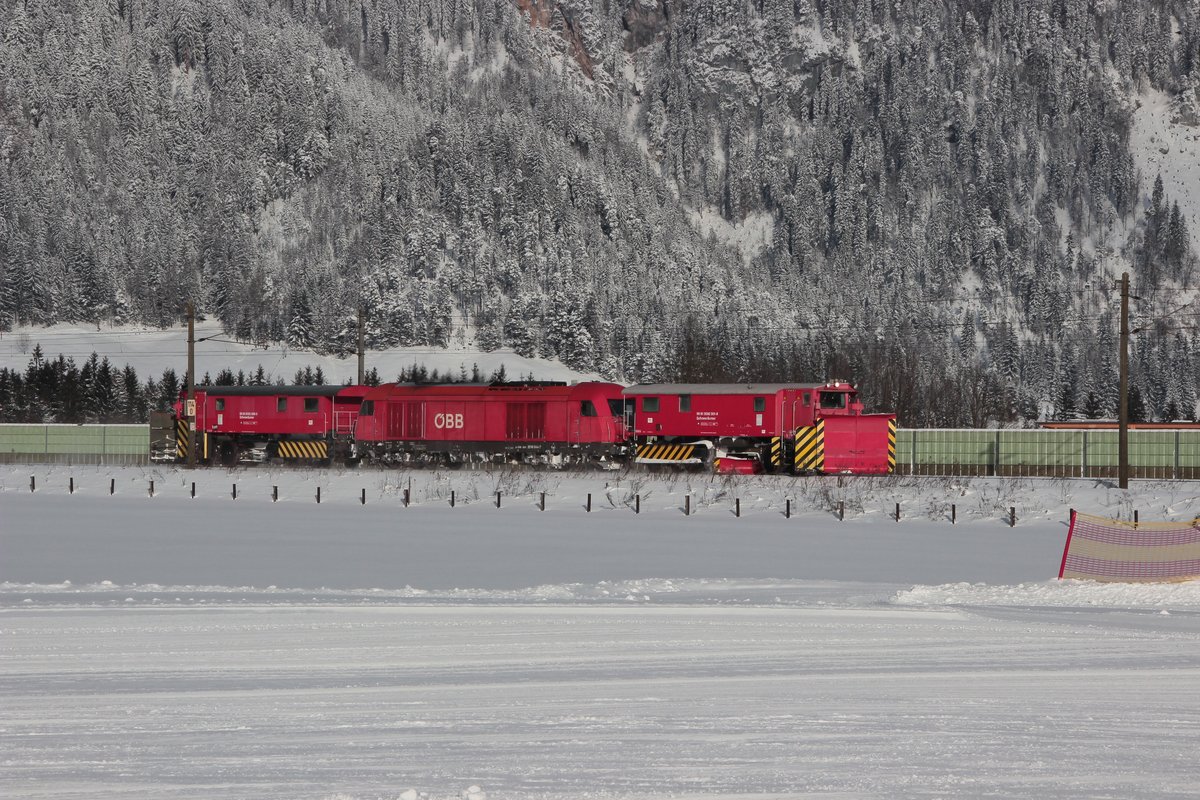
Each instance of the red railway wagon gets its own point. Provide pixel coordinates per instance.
(771, 427)
(534, 423)
(258, 423)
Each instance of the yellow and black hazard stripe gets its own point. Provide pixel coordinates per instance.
(309, 450)
(666, 452)
(776, 451)
(891, 445)
(810, 448)
(181, 439)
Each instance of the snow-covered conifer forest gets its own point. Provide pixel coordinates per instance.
(931, 198)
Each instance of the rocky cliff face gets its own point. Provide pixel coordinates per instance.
(645, 22)
(564, 21)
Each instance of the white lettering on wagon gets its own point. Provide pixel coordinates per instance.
(443, 421)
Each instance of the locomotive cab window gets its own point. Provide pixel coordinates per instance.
(650, 404)
(616, 408)
(587, 409)
(310, 405)
(806, 398)
(833, 399)
(281, 404)
(220, 404)
(368, 409)
(685, 402)
(760, 404)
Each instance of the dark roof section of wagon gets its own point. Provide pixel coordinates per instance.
(720, 388)
(271, 391)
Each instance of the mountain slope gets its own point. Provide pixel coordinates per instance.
(930, 198)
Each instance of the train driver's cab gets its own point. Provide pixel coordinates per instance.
(838, 399)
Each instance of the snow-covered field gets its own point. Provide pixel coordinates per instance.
(150, 350)
(170, 647)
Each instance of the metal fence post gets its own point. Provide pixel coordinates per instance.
(1175, 467)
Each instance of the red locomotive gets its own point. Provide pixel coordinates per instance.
(785, 427)
(257, 423)
(533, 423)
(771, 427)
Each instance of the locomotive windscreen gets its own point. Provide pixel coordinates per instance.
(833, 399)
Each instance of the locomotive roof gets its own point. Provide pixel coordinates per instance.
(726, 388)
(272, 391)
(551, 388)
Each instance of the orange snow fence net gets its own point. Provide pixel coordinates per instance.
(1101, 549)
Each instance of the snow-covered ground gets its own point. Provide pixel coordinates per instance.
(170, 647)
(150, 350)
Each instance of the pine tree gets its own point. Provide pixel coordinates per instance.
(168, 389)
(1137, 406)
(133, 399)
